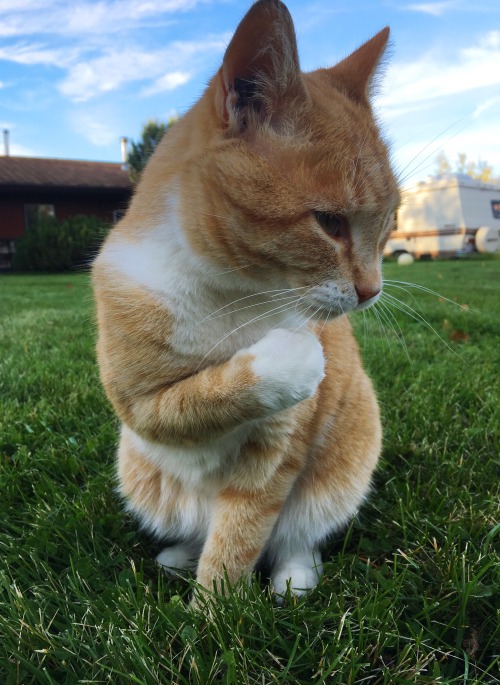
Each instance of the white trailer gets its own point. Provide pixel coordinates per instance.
(447, 215)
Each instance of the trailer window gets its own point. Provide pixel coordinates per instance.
(495, 208)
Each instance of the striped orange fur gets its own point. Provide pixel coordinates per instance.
(249, 428)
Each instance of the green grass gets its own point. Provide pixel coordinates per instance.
(410, 592)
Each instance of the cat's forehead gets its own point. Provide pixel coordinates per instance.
(336, 160)
(347, 157)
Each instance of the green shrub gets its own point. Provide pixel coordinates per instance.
(51, 245)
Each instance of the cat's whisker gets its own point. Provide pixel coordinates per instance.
(418, 168)
(400, 336)
(325, 321)
(293, 315)
(313, 315)
(375, 317)
(279, 291)
(308, 319)
(412, 313)
(279, 308)
(235, 268)
(363, 311)
(382, 319)
(257, 304)
(370, 318)
(303, 323)
(304, 295)
(409, 294)
(394, 327)
(400, 284)
(302, 287)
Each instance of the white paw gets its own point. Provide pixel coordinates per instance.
(302, 573)
(290, 366)
(178, 558)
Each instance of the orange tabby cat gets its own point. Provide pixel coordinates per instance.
(249, 428)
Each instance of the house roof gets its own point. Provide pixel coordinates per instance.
(61, 173)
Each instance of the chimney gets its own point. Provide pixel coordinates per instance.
(6, 142)
(124, 147)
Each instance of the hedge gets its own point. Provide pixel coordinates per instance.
(51, 245)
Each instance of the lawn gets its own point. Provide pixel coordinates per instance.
(411, 590)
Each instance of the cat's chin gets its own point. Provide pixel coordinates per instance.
(330, 313)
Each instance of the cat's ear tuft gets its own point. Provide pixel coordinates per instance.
(355, 74)
(260, 79)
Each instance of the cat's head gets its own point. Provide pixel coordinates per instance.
(298, 188)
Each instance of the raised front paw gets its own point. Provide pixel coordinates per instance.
(289, 365)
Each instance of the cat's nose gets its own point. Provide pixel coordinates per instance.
(366, 293)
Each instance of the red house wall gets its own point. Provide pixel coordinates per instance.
(66, 204)
(11, 218)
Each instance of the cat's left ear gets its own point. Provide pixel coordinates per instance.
(355, 74)
(260, 80)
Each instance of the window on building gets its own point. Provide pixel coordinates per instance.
(32, 212)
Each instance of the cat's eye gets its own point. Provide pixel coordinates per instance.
(334, 225)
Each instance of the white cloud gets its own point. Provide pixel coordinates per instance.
(108, 72)
(167, 82)
(434, 76)
(29, 17)
(485, 105)
(490, 41)
(436, 9)
(99, 44)
(116, 68)
(21, 150)
(22, 53)
(448, 102)
(95, 130)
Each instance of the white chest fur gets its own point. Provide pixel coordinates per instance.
(216, 312)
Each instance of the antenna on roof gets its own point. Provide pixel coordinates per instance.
(6, 150)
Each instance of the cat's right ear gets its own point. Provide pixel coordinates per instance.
(260, 80)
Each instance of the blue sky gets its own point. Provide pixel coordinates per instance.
(75, 76)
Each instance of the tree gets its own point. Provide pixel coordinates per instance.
(482, 171)
(442, 163)
(140, 152)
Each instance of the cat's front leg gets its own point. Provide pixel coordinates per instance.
(289, 367)
(246, 509)
(276, 373)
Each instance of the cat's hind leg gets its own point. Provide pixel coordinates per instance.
(164, 506)
(300, 571)
(178, 558)
(325, 497)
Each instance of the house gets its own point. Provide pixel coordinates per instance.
(448, 215)
(62, 188)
